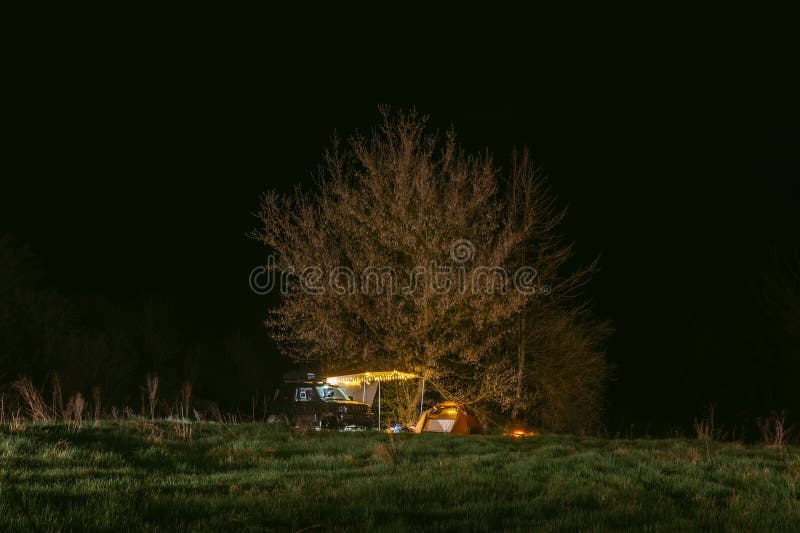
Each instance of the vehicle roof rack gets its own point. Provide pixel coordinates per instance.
(299, 375)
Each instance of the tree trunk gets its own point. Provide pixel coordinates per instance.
(520, 375)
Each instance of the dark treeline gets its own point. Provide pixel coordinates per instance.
(742, 358)
(734, 348)
(89, 341)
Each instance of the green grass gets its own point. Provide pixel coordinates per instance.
(252, 477)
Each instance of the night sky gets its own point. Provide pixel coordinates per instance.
(679, 167)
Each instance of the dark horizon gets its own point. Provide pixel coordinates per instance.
(684, 181)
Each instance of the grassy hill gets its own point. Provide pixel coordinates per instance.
(251, 476)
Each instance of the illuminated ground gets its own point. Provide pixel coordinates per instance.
(254, 477)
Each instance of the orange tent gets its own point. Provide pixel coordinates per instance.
(449, 417)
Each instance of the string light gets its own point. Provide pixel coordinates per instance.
(354, 380)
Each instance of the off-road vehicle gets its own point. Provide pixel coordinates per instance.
(313, 404)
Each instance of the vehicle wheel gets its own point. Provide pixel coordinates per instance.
(329, 423)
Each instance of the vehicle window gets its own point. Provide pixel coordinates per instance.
(327, 392)
(304, 394)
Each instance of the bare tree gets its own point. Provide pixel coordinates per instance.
(18, 265)
(556, 342)
(363, 259)
(779, 298)
(34, 321)
(780, 294)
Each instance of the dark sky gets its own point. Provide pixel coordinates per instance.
(680, 166)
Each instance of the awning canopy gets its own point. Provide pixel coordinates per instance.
(362, 387)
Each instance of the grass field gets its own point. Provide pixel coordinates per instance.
(251, 476)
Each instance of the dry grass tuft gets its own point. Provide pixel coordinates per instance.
(773, 430)
(73, 414)
(35, 406)
(57, 397)
(381, 453)
(151, 383)
(693, 456)
(389, 452)
(96, 404)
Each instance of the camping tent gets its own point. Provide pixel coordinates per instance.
(449, 417)
(362, 387)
